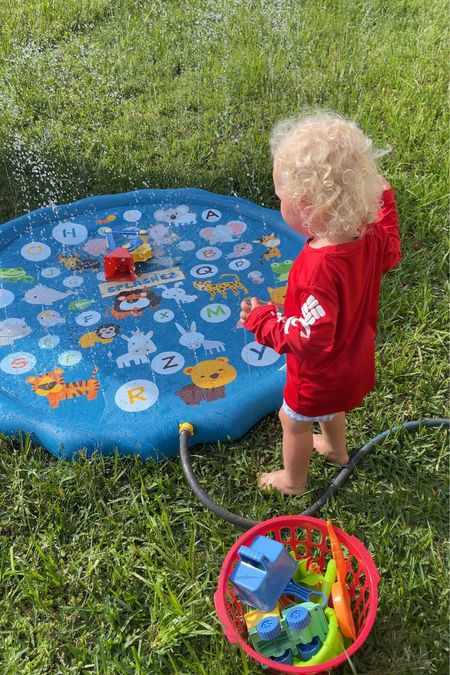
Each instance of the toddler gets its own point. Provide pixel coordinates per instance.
(330, 190)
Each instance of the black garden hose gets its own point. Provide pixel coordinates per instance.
(187, 430)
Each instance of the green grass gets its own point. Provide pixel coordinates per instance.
(109, 565)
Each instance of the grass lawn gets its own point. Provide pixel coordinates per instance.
(109, 565)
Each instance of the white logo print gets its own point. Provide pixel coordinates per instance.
(311, 311)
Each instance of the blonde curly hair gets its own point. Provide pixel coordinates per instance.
(328, 163)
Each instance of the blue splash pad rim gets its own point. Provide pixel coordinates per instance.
(254, 402)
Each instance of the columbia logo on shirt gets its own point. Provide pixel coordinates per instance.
(311, 311)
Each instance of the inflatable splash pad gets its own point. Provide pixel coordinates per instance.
(90, 363)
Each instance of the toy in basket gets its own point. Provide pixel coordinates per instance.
(276, 606)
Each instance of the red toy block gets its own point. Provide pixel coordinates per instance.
(119, 266)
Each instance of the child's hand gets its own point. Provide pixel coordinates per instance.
(246, 308)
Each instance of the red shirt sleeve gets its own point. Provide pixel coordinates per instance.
(387, 219)
(308, 334)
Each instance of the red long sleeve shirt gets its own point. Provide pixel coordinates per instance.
(328, 326)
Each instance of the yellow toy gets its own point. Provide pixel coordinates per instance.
(140, 253)
(137, 245)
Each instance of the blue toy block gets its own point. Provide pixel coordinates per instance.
(308, 651)
(287, 658)
(262, 573)
(297, 618)
(269, 628)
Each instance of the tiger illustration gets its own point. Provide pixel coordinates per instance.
(74, 262)
(222, 287)
(52, 386)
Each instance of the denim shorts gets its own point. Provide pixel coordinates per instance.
(303, 418)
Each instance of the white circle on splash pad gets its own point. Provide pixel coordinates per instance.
(209, 253)
(186, 245)
(101, 276)
(167, 363)
(49, 317)
(70, 358)
(17, 363)
(239, 264)
(48, 341)
(211, 215)
(132, 216)
(215, 313)
(136, 395)
(204, 271)
(6, 298)
(88, 318)
(163, 315)
(73, 282)
(257, 355)
(69, 233)
(50, 272)
(36, 251)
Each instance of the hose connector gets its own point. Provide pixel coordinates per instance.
(186, 426)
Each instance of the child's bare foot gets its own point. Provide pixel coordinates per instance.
(278, 480)
(323, 448)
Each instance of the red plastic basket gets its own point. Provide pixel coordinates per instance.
(306, 537)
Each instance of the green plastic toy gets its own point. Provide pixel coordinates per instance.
(304, 575)
(270, 640)
(315, 624)
(332, 646)
(329, 578)
(301, 627)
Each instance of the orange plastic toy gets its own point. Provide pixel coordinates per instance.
(339, 591)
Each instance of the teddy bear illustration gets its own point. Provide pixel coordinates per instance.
(278, 295)
(208, 381)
